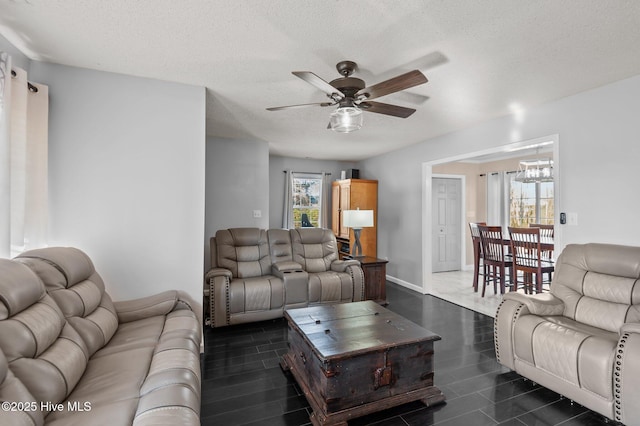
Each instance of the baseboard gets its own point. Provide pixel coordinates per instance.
(406, 284)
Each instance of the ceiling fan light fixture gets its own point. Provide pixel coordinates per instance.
(346, 119)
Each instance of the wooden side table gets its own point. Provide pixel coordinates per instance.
(375, 278)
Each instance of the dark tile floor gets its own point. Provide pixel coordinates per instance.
(244, 385)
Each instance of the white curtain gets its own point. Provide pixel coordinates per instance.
(5, 156)
(495, 198)
(287, 214)
(24, 137)
(326, 193)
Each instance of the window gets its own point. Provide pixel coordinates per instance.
(530, 202)
(307, 200)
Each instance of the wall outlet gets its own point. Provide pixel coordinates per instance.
(257, 213)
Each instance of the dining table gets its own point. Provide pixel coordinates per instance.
(546, 245)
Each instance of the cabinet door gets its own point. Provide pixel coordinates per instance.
(364, 195)
(345, 202)
(335, 209)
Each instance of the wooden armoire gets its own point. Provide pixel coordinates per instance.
(351, 194)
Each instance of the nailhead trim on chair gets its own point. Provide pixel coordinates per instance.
(353, 279)
(227, 284)
(495, 332)
(617, 387)
(212, 301)
(516, 315)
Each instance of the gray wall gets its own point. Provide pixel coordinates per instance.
(18, 59)
(598, 155)
(126, 176)
(241, 177)
(237, 176)
(277, 166)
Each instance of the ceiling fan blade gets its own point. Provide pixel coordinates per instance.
(387, 109)
(316, 81)
(395, 84)
(322, 104)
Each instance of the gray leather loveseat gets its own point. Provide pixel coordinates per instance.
(256, 274)
(71, 356)
(582, 339)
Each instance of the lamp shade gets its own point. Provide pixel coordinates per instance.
(346, 119)
(357, 218)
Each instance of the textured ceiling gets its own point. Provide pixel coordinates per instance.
(482, 58)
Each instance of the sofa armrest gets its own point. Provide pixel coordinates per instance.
(507, 313)
(626, 375)
(296, 283)
(353, 268)
(544, 304)
(630, 327)
(280, 267)
(146, 307)
(218, 281)
(513, 306)
(341, 265)
(218, 272)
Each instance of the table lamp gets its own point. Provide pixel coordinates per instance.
(356, 220)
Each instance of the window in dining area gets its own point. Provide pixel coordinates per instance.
(530, 202)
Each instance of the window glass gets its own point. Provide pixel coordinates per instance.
(530, 202)
(307, 201)
(546, 203)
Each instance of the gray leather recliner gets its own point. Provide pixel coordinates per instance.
(257, 274)
(241, 285)
(330, 280)
(582, 339)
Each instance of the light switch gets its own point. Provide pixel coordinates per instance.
(257, 213)
(572, 219)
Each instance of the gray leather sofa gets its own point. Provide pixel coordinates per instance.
(256, 274)
(582, 339)
(71, 356)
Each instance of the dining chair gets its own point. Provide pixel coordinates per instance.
(477, 251)
(496, 261)
(529, 258)
(545, 230)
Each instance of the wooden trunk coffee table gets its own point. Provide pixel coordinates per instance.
(353, 359)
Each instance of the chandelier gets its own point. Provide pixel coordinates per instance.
(538, 170)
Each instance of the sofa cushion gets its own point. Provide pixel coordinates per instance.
(72, 281)
(243, 251)
(330, 286)
(17, 298)
(580, 354)
(149, 366)
(43, 351)
(314, 248)
(280, 246)
(603, 294)
(13, 390)
(256, 294)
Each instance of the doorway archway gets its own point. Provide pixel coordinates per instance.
(509, 149)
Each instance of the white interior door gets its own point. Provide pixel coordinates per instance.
(447, 205)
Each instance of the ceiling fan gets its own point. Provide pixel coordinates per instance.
(353, 97)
